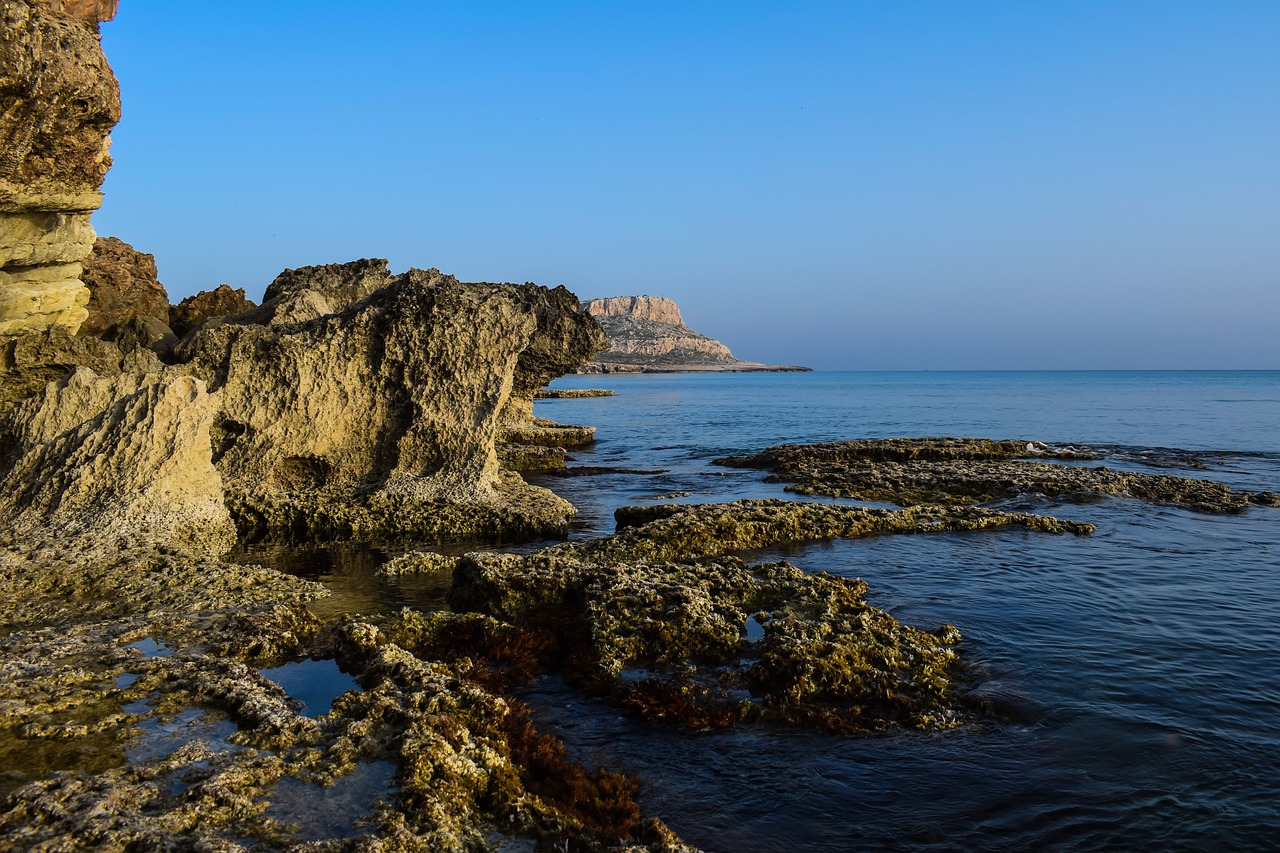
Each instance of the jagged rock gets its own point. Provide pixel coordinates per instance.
(123, 286)
(60, 102)
(116, 458)
(194, 311)
(394, 399)
(305, 294)
(30, 360)
(647, 333)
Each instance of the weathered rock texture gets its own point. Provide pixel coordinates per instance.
(647, 333)
(352, 403)
(354, 399)
(124, 459)
(194, 311)
(60, 101)
(957, 471)
(123, 287)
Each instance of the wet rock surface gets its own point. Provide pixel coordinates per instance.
(957, 471)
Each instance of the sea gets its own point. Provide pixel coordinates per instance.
(1137, 670)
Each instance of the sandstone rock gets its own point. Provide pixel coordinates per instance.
(123, 285)
(310, 292)
(88, 10)
(30, 360)
(194, 311)
(117, 458)
(60, 102)
(395, 399)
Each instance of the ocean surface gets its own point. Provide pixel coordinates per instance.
(1138, 670)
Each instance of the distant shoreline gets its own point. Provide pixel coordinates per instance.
(603, 368)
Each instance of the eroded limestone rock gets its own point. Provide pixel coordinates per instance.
(123, 287)
(120, 458)
(60, 101)
(194, 311)
(471, 770)
(957, 471)
(372, 403)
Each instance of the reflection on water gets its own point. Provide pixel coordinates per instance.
(314, 683)
(340, 810)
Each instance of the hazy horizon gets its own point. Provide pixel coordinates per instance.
(844, 186)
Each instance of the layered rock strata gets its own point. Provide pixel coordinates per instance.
(648, 334)
(60, 101)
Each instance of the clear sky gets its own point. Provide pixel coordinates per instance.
(847, 185)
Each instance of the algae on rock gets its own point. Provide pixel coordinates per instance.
(958, 471)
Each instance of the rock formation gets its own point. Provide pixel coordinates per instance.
(194, 311)
(60, 100)
(116, 459)
(123, 287)
(352, 385)
(647, 334)
(352, 403)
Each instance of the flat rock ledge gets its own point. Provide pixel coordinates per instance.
(960, 471)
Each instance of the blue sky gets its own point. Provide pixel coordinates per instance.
(847, 185)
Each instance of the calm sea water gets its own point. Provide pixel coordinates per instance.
(1139, 667)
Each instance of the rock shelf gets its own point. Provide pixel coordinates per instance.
(957, 471)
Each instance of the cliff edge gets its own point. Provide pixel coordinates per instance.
(647, 334)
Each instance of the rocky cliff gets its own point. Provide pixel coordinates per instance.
(60, 101)
(647, 334)
(352, 402)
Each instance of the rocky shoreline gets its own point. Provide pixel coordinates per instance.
(142, 705)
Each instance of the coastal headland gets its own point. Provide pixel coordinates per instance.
(647, 334)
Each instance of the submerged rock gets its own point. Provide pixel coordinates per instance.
(470, 769)
(660, 616)
(953, 471)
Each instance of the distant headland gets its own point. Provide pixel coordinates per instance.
(648, 335)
